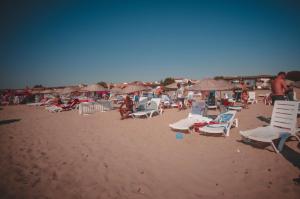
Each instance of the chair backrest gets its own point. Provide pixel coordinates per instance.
(198, 108)
(251, 95)
(154, 104)
(284, 115)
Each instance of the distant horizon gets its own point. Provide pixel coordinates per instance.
(65, 43)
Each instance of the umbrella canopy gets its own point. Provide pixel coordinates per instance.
(296, 84)
(68, 90)
(117, 90)
(289, 82)
(134, 88)
(211, 84)
(93, 88)
(47, 91)
(172, 86)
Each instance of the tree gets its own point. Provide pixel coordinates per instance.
(293, 75)
(168, 80)
(103, 84)
(38, 86)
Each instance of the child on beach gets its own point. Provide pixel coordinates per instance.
(245, 97)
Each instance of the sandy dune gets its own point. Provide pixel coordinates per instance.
(67, 155)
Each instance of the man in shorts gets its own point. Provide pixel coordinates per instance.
(278, 87)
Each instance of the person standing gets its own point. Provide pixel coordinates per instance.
(278, 87)
(180, 96)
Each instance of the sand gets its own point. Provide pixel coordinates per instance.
(67, 155)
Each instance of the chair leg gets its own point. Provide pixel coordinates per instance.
(236, 122)
(276, 150)
(298, 138)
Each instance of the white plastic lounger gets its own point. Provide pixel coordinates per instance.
(196, 115)
(187, 123)
(151, 109)
(283, 123)
(235, 108)
(227, 120)
(252, 99)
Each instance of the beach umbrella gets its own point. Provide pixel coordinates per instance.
(117, 91)
(172, 86)
(134, 88)
(296, 84)
(47, 91)
(68, 90)
(289, 82)
(93, 88)
(211, 84)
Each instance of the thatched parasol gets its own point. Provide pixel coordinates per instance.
(93, 88)
(117, 91)
(134, 88)
(296, 84)
(68, 90)
(211, 84)
(172, 86)
(47, 91)
(289, 82)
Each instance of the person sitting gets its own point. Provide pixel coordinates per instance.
(245, 97)
(128, 108)
(57, 100)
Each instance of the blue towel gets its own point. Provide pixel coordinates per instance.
(225, 118)
(179, 136)
(283, 137)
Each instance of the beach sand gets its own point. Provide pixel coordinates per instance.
(67, 155)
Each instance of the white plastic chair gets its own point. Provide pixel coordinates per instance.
(283, 122)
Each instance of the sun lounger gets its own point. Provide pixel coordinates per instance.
(252, 99)
(223, 124)
(283, 122)
(196, 115)
(152, 108)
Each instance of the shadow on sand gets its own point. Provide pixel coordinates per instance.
(2, 122)
(264, 119)
(291, 155)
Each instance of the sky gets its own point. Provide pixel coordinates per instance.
(68, 42)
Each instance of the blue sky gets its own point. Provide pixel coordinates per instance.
(69, 42)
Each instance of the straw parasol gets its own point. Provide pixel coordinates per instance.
(211, 84)
(134, 88)
(296, 84)
(47, 91)
(117, 90)
(70, 89)
(172, 86)
(289, 82)
(93, 88)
